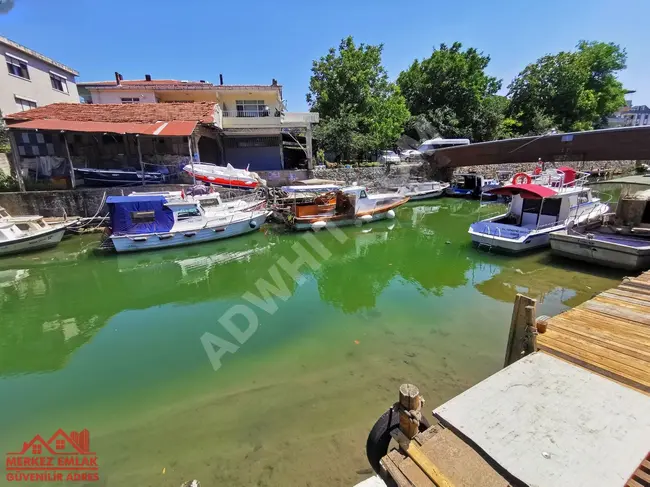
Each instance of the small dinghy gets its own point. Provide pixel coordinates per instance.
(24, 234)
(227, 176)
(423, 191)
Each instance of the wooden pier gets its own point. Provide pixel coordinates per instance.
(570, 408)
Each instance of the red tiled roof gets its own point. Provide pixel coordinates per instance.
(202, 112)
(160, 129)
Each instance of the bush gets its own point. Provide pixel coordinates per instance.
(8, 183)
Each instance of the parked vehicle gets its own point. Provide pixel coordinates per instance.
(388, 157)
(152, 222)
(411, 155)
(348, 206)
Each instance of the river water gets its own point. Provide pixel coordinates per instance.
(113, 344)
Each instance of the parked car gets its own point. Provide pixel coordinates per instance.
(411, 155)
(388, 157)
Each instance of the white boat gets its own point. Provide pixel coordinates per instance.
(26, 233)
(534, 213)
(151, 222)
(210, 202)
(226, 176)
(423, 191)
(620, 240)
(348, 206)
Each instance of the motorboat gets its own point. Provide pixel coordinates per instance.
(423, 190)
(469, 185)
(26, 233)
(620, 240)
(152, 222)
(346, 206)
(535, 212)
(120, 177)
(211, 201)
(226, 176)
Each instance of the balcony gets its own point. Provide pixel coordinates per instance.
(239, 119)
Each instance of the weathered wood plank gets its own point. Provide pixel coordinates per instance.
(626, 299)
(621, 330)
(628, 294)
(617, 311)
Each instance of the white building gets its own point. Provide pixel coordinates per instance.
(32, 80)
(637, 115)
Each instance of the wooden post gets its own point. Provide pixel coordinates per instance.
(517, 341)
(308, 151)
(409, 413)
(531, 330)
(189, 147)
(15, 161)
(137, 139)
(73, 180)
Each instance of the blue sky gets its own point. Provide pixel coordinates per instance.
(254, 41)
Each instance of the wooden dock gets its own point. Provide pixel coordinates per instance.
(609, 334)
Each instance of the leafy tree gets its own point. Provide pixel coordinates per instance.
(356, 101)
(573, 90)
(453, 92)
(4, 135)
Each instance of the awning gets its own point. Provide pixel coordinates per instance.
(526, 191)
(161, 129)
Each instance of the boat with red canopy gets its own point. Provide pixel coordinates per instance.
(534, 212)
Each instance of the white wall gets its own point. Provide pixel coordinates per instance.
(38, 88)
(116, 96)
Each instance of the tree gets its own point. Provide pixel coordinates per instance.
(573, 90)
(356, 101)
(453, 92)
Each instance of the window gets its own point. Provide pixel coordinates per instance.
(17, 67)
(22, 105)
(188, 213)
(59, 83)
(36, 449)
(60, 444)
(252, 108)
(143, 216)
(362, 194)
(130, 100)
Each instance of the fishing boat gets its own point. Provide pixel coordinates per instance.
(227, 176)
(26, 233)
(152, 222)
(469, 185)
(620, 240)
(423, 191)
(347, 206)
(120, 177)
(535, 212)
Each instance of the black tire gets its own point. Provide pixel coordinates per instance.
(379, 437)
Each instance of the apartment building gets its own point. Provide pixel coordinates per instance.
(32, 80)
(251, 118)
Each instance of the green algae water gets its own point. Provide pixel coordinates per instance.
(113, 344)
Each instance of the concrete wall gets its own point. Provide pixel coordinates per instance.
(5, 166)
(100, 97)
(228, 99)
(38, 88)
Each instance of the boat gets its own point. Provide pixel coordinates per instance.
(620, 240)
(346, 206)
(423, 191)
(469, 185)
(535, 212)
(152, 222)
(27, 233)
(210, 200)
(120, 177)
(226, 176)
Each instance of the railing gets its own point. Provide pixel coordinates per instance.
(250, 113)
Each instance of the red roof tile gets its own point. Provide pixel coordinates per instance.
(202, 112)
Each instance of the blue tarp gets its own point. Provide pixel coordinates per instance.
(125, 209)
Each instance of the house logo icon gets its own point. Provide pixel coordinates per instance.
(63, 457)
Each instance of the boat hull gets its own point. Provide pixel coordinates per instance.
(605, 253)
(136, 243)
(342, 222)
(425, 195)
(43, 240)
(531, 242)
(118, 178)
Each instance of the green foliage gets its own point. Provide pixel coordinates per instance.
(360, 109)
(7, 183)
(451, 90)
(4, 136)
(571, 90)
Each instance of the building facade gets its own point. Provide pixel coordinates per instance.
(637, 116)
(31, 80)
(251, 118)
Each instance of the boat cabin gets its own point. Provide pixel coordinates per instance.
(135, 215)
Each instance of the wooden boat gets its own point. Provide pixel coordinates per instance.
(27, 233)
(620, 240)
(347, 206)
(151, 222)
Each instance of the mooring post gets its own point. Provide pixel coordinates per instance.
(409, 413)
(520, 336)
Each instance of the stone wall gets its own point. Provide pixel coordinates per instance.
(598, 167)
(372, 177)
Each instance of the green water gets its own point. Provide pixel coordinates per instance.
(113, 344)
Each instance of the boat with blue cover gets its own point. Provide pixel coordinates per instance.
(535, 212)
(469, 185)
(152, 222)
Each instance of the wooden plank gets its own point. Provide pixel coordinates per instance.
(642, 475)
(593, 317)
(604, 338)
(633, 483)
(624, 303)
(646, 464)
(616, 311)
(412, 449)
(633, 289)
(626, 299)
(629, 294)
(390, 464)
(621, 330)
(604, 353)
